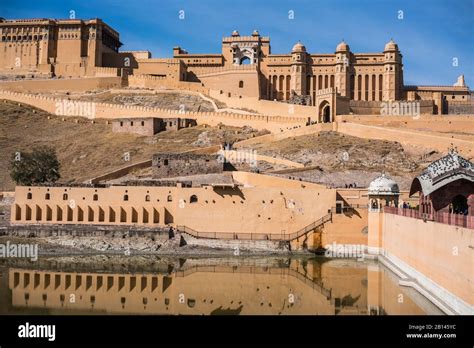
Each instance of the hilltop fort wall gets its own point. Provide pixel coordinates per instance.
(92, 110)
(107, 80)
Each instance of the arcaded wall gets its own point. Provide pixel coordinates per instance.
(262, 205)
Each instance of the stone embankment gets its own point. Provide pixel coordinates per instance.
(75, 239)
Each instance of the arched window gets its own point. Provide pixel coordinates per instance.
(47, 196)
(193, 199)
(147, 198)
(459, 205)
(95, 197)
(170, 199)
(241, 84)
(125, 197)
(165, 162)
(29, 195)
(65, 197)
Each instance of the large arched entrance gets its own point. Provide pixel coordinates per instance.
(244, 56)
(325, 112)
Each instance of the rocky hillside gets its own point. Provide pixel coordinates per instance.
(87, 149)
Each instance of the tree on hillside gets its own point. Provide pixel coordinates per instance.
(36, 167)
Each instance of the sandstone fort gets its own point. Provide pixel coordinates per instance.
(290, 152)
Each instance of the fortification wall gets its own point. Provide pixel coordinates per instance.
(106, 72)
(269, 138)
(64, 107)
(425, 139)
(265, 107)
(444, 123)
(118, 173)
(69, 85)
(362, 107)
(161, 82)
(239, 156)
(237, 83)
(438, 256)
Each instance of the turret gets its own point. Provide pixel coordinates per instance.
(382, 192)
(342, 73)
(393, 73)
(298, 69)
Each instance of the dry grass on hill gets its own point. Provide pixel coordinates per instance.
(165, 100)
(86, 150)
(334, 152)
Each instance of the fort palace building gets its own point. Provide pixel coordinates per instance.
(245, 68)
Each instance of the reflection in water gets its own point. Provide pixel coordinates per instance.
(219, 286)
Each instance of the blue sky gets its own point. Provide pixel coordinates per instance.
(430, 35)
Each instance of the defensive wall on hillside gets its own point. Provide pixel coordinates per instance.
(67, 84)
(438, 123)
(93, 110)
(425, 139)
(161, 82)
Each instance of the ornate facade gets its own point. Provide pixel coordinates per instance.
(245, 67)
(69, 47)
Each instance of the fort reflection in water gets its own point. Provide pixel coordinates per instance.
(207, 286)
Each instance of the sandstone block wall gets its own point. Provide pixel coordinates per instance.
(440, 252)
(171, 165)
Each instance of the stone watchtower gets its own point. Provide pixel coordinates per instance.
(343, 56)
(382, 192)
(298, 69)
(393, 72)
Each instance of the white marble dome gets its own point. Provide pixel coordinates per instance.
(383, 185)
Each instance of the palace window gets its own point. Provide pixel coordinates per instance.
(125, 197)
(193, 199)
(241, 84)
(95, 197)
(147, 198)
(47, 196)
(29, 195)
(65, 197)
(170, 199)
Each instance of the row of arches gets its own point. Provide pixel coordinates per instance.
(89, 282)
(95, 197)
(22, 38)
(368, 87)
(91, 214)
(279, 86)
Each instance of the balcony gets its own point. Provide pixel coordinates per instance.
(466, 221)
